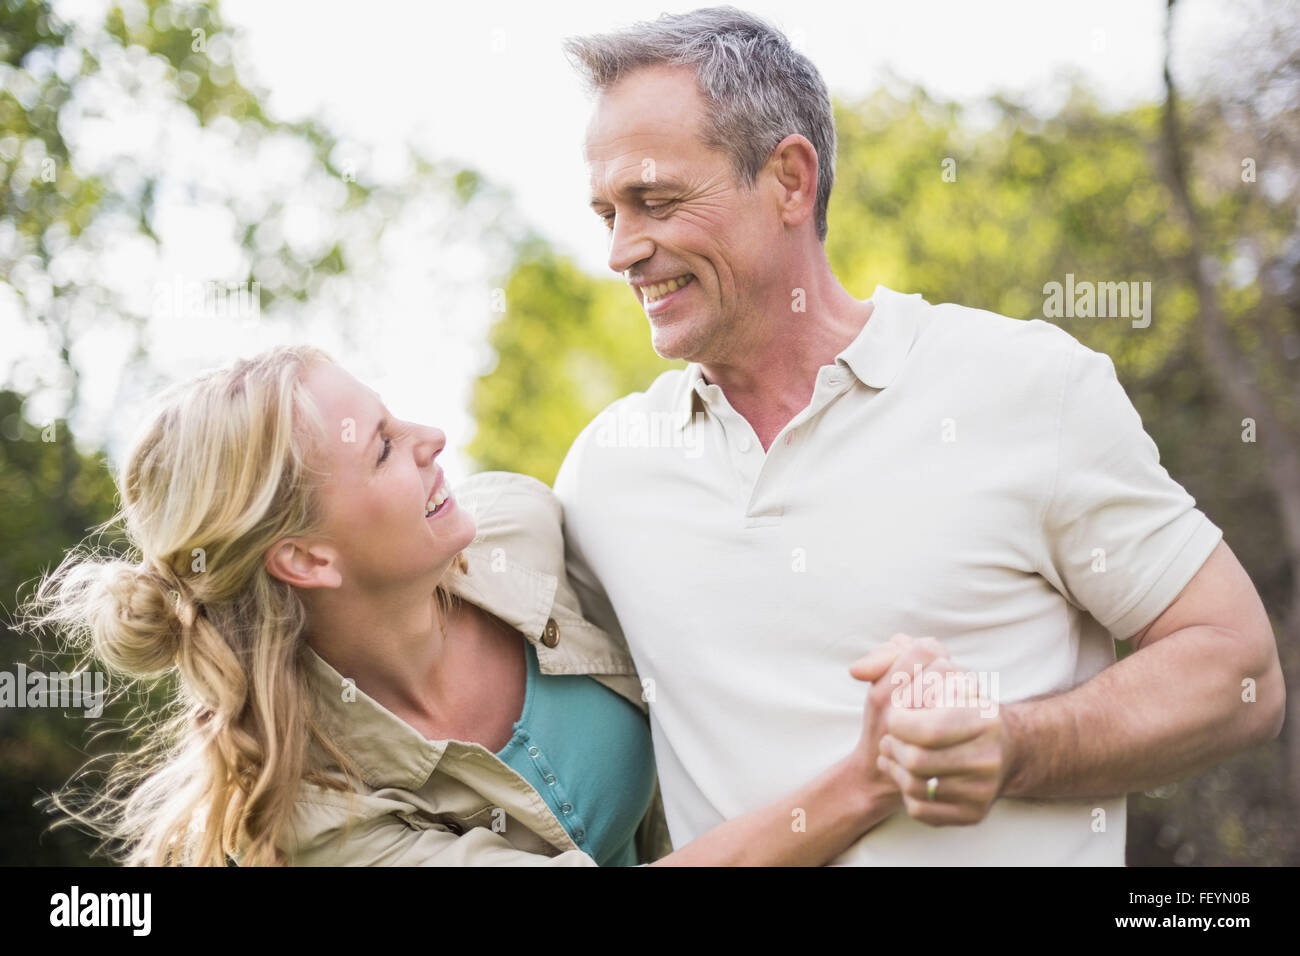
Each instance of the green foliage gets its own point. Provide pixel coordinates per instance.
(53, 496)
(566, 347)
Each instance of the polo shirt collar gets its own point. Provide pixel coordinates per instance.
(876, 356)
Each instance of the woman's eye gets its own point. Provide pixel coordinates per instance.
(383, 455)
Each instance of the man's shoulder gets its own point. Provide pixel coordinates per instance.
(661, 398)
(660, 395)
(594, 466)
(1027, 356)
(992, 334)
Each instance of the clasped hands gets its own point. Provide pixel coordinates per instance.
(948, 759)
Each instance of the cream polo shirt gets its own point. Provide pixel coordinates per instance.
(957, 473)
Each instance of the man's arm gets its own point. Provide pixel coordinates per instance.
(1204, 679)
(1203, 683)
(595, 603)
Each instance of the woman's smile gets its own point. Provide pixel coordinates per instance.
(440, 500)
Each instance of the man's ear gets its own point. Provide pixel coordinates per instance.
(304, 563)
(794, 164)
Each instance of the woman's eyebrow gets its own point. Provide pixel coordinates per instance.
(383, 423)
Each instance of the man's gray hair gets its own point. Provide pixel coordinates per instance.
(757, 87)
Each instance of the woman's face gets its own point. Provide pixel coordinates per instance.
(383, 483)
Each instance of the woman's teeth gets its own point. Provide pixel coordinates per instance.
(435, 501)
(659, 290)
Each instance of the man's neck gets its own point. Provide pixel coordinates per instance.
(772, 378)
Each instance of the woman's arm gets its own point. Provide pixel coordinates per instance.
(836, 807)
(335, 829)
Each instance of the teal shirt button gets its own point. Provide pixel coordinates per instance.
(587, 752)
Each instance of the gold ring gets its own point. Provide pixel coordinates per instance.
(931, 786)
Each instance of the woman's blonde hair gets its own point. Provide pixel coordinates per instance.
(222, 472)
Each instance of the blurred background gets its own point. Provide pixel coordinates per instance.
(184, 183)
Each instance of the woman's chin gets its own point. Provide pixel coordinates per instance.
(454, 530)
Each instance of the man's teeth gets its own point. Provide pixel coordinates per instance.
(435, 501)
(661, 289)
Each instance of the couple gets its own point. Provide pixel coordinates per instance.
(661, 661)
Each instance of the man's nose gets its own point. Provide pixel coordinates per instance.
(628, 244)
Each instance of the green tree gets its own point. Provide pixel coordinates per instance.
(40, 749)
(566, 346)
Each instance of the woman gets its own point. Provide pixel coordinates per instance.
(366, 676)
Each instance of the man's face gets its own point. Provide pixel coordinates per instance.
(675, 211)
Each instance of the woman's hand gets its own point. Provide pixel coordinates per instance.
(813, 824)
(891, 669)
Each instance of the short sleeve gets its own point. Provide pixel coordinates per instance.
(1122, 538)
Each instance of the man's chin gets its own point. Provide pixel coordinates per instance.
(670, 344)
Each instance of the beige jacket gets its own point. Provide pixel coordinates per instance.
(448, 802)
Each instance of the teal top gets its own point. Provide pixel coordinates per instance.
(587, 751)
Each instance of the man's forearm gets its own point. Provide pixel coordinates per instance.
(808, 827)
(1173, 708)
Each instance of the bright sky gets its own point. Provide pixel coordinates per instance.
(486, 84)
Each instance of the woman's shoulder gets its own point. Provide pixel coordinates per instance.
(485, 488)
(517, 514)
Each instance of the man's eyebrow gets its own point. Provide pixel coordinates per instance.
(640, 187)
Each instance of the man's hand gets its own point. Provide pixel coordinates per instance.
(890, 668)
(957, 743)
(960, 748)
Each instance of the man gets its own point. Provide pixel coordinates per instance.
(828, 472)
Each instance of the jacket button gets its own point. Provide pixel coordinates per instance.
(551, 636)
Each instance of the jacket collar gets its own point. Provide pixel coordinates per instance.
(388, 751)
(875, 356)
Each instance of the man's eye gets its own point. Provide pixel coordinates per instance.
(383, 455)
(608, 218)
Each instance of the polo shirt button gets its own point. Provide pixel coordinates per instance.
(550, 779)
(551, 636)
(579, 835)
(532, 751)
(566, 808)
(744, 443)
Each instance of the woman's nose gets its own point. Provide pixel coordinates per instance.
(431, 442)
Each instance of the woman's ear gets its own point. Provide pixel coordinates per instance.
(304, 564)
